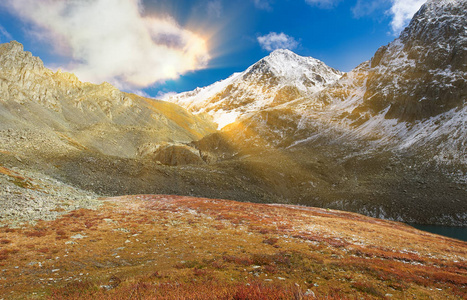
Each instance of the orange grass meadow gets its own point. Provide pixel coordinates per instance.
(172, 247)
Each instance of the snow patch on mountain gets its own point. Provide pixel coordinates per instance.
(306, 73)
(281, 77)
(444, 135)
(195, 99)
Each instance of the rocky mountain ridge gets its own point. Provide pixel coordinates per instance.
(422, 74)
(281, 77)
(412, 94)
(93, 116)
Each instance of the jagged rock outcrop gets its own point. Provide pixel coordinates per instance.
(412, 95)
(171, 154)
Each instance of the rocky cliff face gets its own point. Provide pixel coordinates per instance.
(412, 94)
(25, 79)
(423, 73)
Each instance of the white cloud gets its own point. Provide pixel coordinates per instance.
(263, 4)
(323, 3)
(402, 12)
(273, 41)
(214, 8)
(110, 40)
(5, 36)
(140, 93)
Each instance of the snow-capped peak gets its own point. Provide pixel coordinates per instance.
(281, 77)
(281, 57)
(306, 73)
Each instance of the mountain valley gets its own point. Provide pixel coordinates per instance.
(292, 130)
(316, 168)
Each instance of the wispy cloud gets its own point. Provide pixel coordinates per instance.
(263, 4)
(5, 36)
(368, 7)
(162, 95)
(323, 3)
(111, 40)
(214, 8)
(274, 40)
(402, 12)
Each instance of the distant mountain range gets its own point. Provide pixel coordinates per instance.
(387, 139)
(413, 91)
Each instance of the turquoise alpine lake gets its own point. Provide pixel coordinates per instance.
(459, 233)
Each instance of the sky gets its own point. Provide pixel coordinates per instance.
(157, 47)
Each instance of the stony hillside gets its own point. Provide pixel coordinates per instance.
(423, 73)
(52, 127)
(167, 247)
(55, 112)
(412, 94)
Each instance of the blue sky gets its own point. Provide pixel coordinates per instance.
(161, 46)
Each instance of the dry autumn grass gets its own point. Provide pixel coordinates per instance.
(170, 247)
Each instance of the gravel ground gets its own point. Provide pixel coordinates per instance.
(29, 196)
